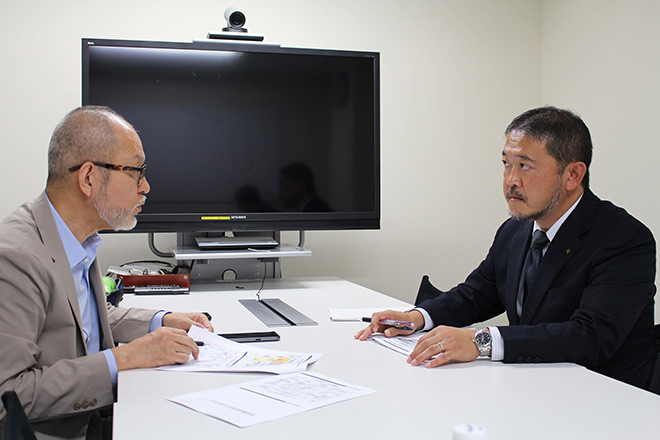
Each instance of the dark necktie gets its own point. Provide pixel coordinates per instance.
(531, 267)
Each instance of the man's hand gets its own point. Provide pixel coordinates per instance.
(413, 316)
(448, 344)
(163, 346)
(185, 320)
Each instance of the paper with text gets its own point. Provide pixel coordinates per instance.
(400, 344)
(271, 398)
(221, 354)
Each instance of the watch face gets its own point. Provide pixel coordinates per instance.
(482, 338)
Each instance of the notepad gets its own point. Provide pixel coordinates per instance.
(355, 315)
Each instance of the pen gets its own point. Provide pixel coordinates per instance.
(207, 314)
(403, 325)
(199, 343)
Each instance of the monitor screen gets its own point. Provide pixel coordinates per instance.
(246, 136)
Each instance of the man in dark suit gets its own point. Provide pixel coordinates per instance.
(574, 274)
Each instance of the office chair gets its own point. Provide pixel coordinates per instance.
(17, 426)
(426, 291)
(655, 377)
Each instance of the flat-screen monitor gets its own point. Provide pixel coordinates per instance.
(246, 136)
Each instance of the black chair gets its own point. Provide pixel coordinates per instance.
(655, 378)
(426, 291)
(17, 426)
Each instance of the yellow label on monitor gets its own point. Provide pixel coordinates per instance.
(216, 217)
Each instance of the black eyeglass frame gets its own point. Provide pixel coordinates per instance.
(111, 166)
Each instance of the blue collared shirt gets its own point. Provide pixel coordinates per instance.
(81, 257)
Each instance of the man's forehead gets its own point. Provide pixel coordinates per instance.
(130, 150)
(130, 145)
(519, 143)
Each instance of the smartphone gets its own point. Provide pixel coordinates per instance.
(251, 336)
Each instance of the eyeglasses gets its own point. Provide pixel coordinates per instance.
(112, 166)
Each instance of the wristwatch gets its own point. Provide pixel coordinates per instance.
(484, 341)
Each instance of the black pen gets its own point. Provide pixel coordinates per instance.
(199, 343)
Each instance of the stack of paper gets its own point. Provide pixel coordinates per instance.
(400, 344)
(220, 354)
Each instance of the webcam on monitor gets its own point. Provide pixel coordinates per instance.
(235, 20)
(235, 29)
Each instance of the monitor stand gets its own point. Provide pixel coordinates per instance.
(276, 313)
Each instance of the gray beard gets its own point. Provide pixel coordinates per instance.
(552, 204)
(119, 219)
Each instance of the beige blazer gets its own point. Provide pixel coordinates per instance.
(43, 356)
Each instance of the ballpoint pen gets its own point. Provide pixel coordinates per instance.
(403, 325)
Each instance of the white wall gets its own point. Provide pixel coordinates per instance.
(453, 74)
(602, 59)
(448, 91)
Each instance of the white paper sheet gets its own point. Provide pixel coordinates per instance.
(221, 354)
(271, 398)
(400, 344)
(356, 315)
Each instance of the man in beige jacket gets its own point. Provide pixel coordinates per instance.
(57, 333)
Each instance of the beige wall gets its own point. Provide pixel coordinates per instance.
(453, 74)
(602, 59)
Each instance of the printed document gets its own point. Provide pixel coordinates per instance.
(400, 344)
(271, 398)
(221, 354)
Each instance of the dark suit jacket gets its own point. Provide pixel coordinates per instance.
(43, 356)
(591, 303)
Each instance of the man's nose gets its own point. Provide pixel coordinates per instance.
(512, 178)
(144, 187)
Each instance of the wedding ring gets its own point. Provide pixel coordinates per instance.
(442, 347)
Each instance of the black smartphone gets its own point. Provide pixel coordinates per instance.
(251, 336)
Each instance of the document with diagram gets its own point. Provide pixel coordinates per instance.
(220, 354)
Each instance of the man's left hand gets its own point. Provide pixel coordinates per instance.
(448, 344)
(186, 320)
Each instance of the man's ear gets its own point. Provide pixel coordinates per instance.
(87, 178)
(575, 172)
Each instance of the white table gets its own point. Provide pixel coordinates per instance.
(541, 401)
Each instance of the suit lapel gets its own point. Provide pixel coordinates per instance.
(566, 243)
(514, 270)
(50, 237)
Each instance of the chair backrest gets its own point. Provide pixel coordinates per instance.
(655, 378)
(17, 426)
(426, 291)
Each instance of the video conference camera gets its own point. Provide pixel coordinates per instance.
(234, 30)
(235, 20)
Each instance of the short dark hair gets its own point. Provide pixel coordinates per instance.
(566, 136)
